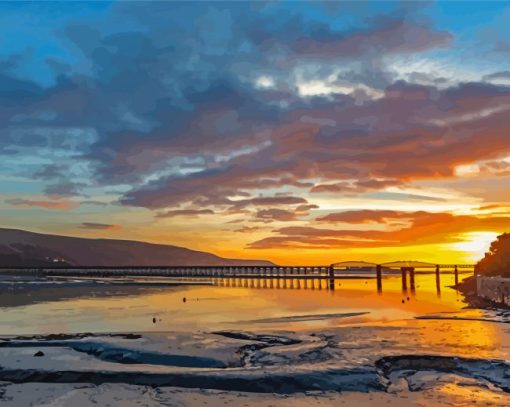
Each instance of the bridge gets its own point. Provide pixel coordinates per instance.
(348, 269)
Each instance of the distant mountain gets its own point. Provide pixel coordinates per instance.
(22, 248)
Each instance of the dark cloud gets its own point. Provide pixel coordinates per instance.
(390, 37)
(49, 172)
(268, 201)
(368, 216)
(502, 46)
(497, 75)
(65, 188)
(275, 215)
(248, 229)
(184, 212)
(92, 202)
(98, 226)
(413, 132)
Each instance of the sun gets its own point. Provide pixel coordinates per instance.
(475, 244)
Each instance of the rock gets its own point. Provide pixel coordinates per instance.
(39, 353)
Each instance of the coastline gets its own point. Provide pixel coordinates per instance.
(468, 289)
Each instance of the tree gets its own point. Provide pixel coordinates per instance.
(497, 261)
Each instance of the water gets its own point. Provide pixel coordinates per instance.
(229, 304)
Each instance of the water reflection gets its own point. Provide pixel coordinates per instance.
(28, 295)
(409, 284)
(221, 303)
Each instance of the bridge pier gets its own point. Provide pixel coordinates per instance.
(403, 270)
(411, 278)
(378, 271)
(456, 271)
(438, 280)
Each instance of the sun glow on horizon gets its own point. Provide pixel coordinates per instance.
(475, 244)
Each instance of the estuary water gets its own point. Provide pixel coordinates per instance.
(71, 306)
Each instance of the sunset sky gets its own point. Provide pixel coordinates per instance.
(303, 133)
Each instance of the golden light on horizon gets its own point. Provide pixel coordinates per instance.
(475, 244)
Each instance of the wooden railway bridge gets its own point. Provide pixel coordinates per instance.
(350, 269)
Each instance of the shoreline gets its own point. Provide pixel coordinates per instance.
(468, 289)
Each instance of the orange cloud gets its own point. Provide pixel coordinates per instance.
(424, 228)
(57, 205)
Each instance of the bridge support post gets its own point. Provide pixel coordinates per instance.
(378, 271)
(438, 280)
(403, 270)
(331, 278)
(411, 278)
(456, 271)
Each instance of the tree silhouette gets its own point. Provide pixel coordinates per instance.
(497, 261)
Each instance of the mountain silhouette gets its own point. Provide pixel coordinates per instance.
(23, 248)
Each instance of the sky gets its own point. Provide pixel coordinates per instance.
(298, 132)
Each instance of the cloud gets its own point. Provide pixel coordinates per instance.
(268, 201)
(184, 212)
(391, 37)
(423, 140)
(358, 186)
(501, 77)
(193, 88)
(64, 188)
(423, 228)
(93, 202)
(248, 229)
(304, 209)
(98, 226)
(281, 215)
(499, 167)
(367, 216)
(56, 205)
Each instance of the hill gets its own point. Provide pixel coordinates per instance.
(23, 248)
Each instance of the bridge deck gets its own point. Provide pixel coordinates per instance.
(332, 271)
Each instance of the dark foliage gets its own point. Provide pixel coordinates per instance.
(497, 261)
